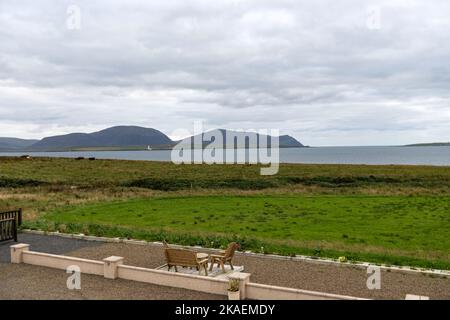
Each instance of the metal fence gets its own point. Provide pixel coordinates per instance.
(9, 222)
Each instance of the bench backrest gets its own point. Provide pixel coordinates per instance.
(181, 257)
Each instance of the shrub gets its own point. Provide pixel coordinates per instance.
(62, 228)
(19, 183)
(233, 285)
(180, 184)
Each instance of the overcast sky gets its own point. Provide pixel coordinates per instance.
(326, 72)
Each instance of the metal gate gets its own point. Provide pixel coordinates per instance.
(9, 221)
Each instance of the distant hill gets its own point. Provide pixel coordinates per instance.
(131, 138)
(120, 136)
(243, 139)
(287, 141)
(11, 144)
(432, 144)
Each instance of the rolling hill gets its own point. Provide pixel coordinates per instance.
(11, 144)
(241, 139)
(120, 136)
(134, 137)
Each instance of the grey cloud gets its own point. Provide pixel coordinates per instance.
(308, 68)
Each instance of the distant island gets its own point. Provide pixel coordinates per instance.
(432, 144)
(15, 143)
(121, 138)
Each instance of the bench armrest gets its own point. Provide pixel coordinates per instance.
(202, 261)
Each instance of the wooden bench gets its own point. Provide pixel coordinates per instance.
(185, 258)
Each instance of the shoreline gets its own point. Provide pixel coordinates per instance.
(161, 155)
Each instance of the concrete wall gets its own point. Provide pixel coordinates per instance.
(62, 262)
(172, 279)
(267, 292)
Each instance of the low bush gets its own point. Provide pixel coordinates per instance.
(19, 183)
(180, 184)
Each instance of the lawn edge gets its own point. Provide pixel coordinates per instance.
(321, 260)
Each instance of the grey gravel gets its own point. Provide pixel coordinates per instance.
(342, 279)
(330, 278)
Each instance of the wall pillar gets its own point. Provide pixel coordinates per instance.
(110, 267)
(16, 252)
(244, 279)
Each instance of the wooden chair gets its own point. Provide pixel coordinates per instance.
(226, 256)
(185, 258)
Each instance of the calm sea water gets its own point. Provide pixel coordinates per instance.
(439, 156)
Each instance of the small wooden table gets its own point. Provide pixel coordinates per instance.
(201, 256)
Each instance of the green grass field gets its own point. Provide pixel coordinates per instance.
(403, 226)
(383, 214)
(376, 221)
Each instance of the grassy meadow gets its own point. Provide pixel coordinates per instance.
(382, 214)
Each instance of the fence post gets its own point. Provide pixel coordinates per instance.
(14, 226)
(19, 218)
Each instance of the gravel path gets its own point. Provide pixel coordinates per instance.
(342, 279)
(339, 279)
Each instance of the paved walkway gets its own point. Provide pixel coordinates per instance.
(338, 279)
